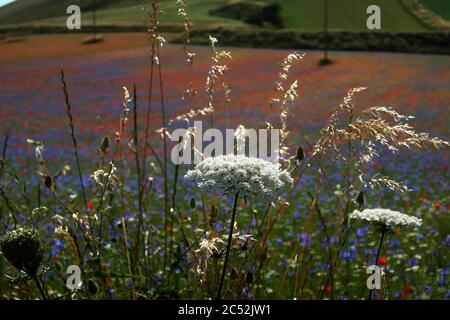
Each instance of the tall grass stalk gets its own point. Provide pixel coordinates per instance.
(165, 161)
(72, 134)
(139, 183)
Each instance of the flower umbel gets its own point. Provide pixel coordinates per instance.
(240, 174)
(22, 248)
(386, 217)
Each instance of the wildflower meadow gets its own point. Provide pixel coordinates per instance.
(216, 173)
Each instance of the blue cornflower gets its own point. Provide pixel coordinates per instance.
(428, 290)
(360, 232)
(218, 226)
(305, 240)
(346, 256)
(395, 243)
(413, 262)
(420, 236)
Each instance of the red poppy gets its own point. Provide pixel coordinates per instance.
(383, 261)
(90, 205)
(421, 200)
(329, 289)
(408, 290)
(437, 206)
(377, 166)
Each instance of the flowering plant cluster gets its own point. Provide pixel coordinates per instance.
(240, 174)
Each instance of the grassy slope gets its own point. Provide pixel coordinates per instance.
(441, 7)
(298, 14)
(28, 10)
(121, 12)
(346, 15)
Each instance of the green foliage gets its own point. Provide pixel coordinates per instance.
(423, 42)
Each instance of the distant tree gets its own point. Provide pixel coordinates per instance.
(94, 19)
(325, 60)
(325, 27)
(272, 14)
(254, 17)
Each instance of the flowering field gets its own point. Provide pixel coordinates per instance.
(137, 228)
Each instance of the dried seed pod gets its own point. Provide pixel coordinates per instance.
(105, 144)
(249, 278)
(48, 181)
(92, 286)
(192, 203)
(360, 199)
(300, 154)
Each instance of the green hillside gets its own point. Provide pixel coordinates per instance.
(297, 14)
(29, 10)
(121, 12)
(441, 7)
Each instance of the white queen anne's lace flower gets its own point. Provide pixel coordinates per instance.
(387, 217)
(240, 174)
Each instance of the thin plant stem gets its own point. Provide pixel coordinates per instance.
(72, 134)
(166, 182)
(378, 255)
(172, 211)
(3, 159)
(38, 284)
(227, 254)
(152, 34)
(139, 182)
(127, 254)
(315, 205)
